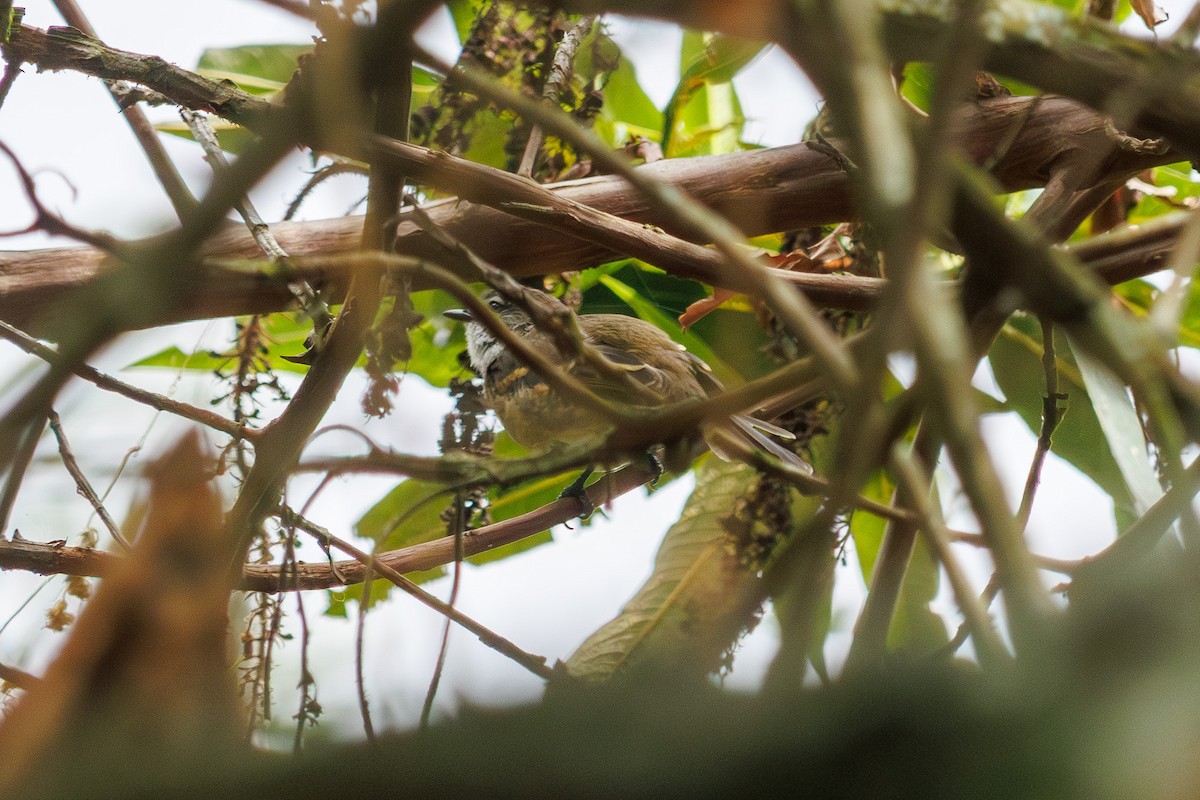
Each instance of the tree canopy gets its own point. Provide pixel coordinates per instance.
(993, 213)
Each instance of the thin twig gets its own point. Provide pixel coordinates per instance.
(46, 220)
(458, 523)
(107, 382)
(535, 664)
(320, 176)
(560, 75)
(360, 626)
(1050, 417)
(24, 603)
(168, 176)
(305, 295)
(304, 713)
(81, 482)
(960, 636)
(1065, 566)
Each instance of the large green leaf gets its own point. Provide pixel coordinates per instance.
(1016, 363)
(733, 339)
(710, 124)
(260, 69)
(412, 513)
(409, 514)
(651, 313)
(698, 599)
(704, 116)
(714, 57)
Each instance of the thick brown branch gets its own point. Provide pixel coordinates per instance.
(759, 191)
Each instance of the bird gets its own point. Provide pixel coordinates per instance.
(537, 416)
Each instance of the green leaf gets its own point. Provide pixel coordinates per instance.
(425, 83)
(174, 358)
(710, 123)
(1140, 295)
(733, 338)
(704, 116)
(714, 57)
(489, 134)
(918, 84)
(697, 600)
(1177, 179)
(231, 137)
(1122, 429)
(283, 336)
(866, 529)
(432, 360)
(1016, 363)
(915, 627)
(464, 13)
(805, 614)
(409, 514)
(256, 68)
(339, 598)
(627, 111)
(652, 314)
(436, 341)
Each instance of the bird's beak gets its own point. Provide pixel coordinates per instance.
(460, 314)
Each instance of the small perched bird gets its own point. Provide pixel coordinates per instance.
(536, 416)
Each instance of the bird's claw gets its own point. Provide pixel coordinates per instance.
(578, 491)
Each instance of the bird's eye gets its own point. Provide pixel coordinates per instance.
(496, 304)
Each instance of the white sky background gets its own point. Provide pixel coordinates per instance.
(546, 600)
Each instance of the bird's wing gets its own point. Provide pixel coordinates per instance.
(651, 377)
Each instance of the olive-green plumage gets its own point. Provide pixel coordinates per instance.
(536, 416)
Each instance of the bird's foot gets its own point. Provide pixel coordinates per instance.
(578, 491)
